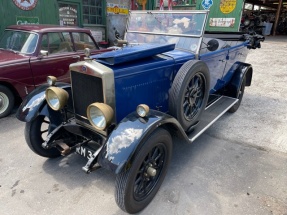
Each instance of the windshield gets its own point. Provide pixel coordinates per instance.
(19, 41)
(180, 27)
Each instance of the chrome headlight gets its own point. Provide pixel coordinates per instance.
(56, 97)
(142, 110)
(100, 115)
(51, 80)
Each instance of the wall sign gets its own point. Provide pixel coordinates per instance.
(68, 14)
(206, 4)
(22, 20)
(227, 6)
(98, 35)
(222, 22)
(26, 4)
(117, 9)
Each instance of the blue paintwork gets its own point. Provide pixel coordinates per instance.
(35, 103)
(150, 73)
(153, 79)
(128, 135)
(132, 53)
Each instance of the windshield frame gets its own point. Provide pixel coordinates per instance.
(198, 37)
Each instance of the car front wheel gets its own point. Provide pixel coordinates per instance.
(36, 132)
(6, 101)
(136, 187)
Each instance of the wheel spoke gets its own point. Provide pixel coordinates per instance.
(159, 155)
(138, 180)
(44, 131)
(47, 122)
(155, 152)
(139, 186)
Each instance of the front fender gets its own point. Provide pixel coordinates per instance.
(129, 135)
(35, 103)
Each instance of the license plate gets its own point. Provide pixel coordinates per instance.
(85, 152)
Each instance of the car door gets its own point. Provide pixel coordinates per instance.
(61, 53)
(237, 53)
(216, 62)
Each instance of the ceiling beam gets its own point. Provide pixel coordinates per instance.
(260, 3)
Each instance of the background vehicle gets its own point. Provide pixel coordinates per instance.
(123, 107)
(29, 53)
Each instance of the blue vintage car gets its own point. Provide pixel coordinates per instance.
(167, 78)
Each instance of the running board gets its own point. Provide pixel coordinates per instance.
(211, 114)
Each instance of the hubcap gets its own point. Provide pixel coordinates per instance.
(149, 172)
(193, 97)
(4, 102)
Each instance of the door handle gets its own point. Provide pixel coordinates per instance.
(76, 57)
(221, 60)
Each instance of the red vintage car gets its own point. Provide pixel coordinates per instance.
(29, 53)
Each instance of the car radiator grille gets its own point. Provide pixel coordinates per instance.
(86, 90)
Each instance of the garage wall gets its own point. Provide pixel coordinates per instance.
(9, 13)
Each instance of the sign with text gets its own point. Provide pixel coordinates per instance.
(68, 14)
(22, 20)
(222, 22)
(117, 9)
(98, 35)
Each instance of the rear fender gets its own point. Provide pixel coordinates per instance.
(130, 135)
(35, 104)
(242, 70)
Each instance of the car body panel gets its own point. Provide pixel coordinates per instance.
(130, 133)
(35, 102)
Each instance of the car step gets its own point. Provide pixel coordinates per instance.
(211, 114)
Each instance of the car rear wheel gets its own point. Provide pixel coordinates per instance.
(6, 101)
(36, 132)
(136, 187)
(235, 107)
(189, 93)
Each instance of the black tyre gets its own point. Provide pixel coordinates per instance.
(189, 93)
(6, 101)
(35, 133)
(235, 107)
(136, 187)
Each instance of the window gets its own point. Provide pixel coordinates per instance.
(56, 43)
(248, 6)
(83, 41)
(178, 4)
(19, 41)
(92, 12)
